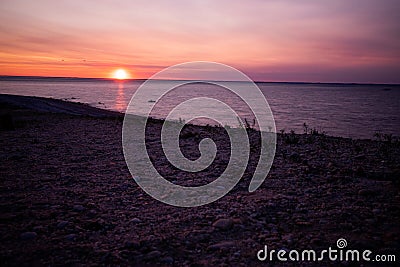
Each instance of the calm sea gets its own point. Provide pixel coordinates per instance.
(356, 111)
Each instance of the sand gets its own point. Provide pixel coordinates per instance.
(67, 197)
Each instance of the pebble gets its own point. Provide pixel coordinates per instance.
(38, 228)
(323, 221)
(366, 192)
(361, 156)
(28, 235)
(153, 254)
(79, 208)
(371, 221)
(167, 260)
(132, 244)
(223, 224)
(294, 156)
(62, 224)
(376, 211)
(70, 237)
(274, 215)
(92, 213)
(222, 245)
(136, 220)
(315, 242)
(288, 238)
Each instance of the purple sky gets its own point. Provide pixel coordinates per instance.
(275, 40)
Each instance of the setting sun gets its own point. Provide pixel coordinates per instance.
(120, 74)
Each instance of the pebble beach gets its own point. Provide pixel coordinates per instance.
(68, 198)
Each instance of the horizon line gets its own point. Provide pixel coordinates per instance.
(144, 79)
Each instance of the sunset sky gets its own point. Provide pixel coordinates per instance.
(275, 40)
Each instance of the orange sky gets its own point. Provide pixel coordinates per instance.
(315, 40)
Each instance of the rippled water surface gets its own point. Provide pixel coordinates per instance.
(342, 110)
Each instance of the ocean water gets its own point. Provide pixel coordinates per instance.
(347, 110)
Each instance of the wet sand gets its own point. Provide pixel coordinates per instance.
(67, 197)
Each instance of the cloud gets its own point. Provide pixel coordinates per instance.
(342, 37)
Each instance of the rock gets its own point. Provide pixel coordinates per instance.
(295, 157)
(28, 235)
(62, 224)
(132, 244)
(136, 220)
(79, 208)
(92, 213)
(323, 221)
(167, 260)
(288, 238)
(360, 156)
(38, 228)
(70, 237)
(360, 171)
(366, 192)
(222, 245)
(223, 224)
(237, 221)
(153, 254)
(376, 211)
(315, 242)
(370, 221)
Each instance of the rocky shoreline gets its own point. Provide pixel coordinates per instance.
(67, 197)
